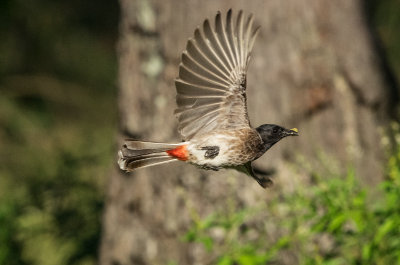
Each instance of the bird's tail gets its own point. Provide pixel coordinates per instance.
(139, 154)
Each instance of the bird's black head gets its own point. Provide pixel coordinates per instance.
(271, 133)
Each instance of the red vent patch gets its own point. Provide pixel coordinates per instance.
(179, 152)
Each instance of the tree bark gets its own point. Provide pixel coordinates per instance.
(314, 66)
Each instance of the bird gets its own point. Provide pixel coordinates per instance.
(211, 105)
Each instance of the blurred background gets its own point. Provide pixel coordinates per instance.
(58, 127)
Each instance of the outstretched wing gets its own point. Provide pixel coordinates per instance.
(211, 88)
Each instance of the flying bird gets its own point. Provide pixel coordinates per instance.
(211, 105)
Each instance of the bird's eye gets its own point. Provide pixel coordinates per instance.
(275, 130)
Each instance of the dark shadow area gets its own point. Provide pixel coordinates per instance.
(383, 18)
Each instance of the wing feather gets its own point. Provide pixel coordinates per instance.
(215, 43)
(193, 115)
(202, 58)
(232, 37)
(240, 38)
(203, 124)
(212, 49)
(196, 67)
(188, 102)
(184, 88)
(211, 87)
(197, 79)
(253, 38)
(221, 35)
(205, 106)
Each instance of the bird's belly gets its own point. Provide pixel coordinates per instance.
(221, 150)
(198, 156)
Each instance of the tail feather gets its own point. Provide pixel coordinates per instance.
(132, 163)
(138, 154)
(140, 145)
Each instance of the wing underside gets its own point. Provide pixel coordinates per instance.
(211, 87)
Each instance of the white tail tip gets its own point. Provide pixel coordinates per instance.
(121, 160)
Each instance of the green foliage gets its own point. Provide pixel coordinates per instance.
(52, 178)
(335, 221)
(57, 120)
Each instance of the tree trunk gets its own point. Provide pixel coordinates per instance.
(314, 67)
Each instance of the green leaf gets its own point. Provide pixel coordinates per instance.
(337, 222)
(366, 252)
(190, 236)
(384, 229)
(207, 242)
(246, 259)
(225, 260)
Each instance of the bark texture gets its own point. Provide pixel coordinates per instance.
(314, 67)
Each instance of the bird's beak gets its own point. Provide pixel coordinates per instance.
(292, 132)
